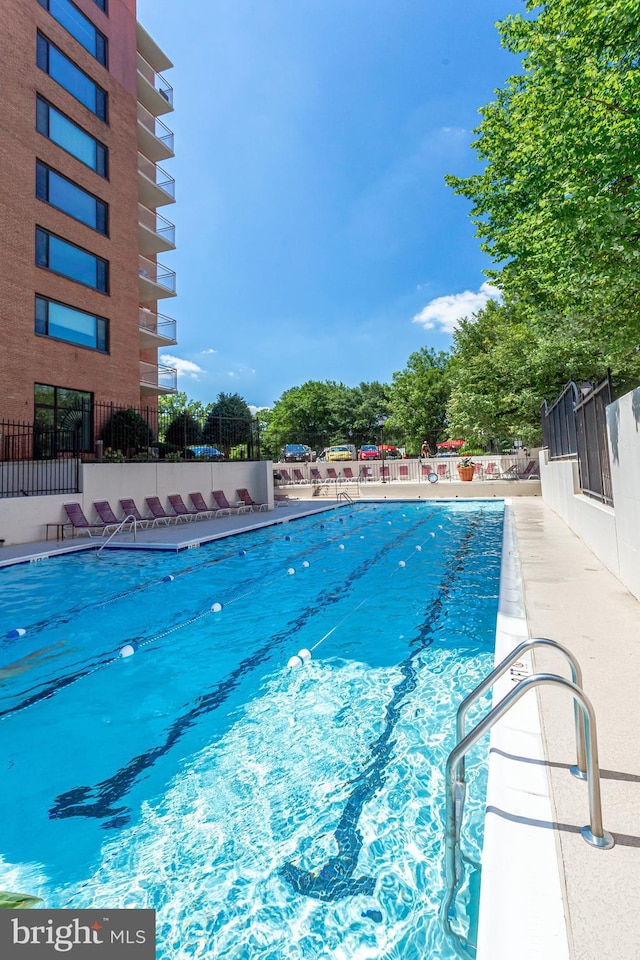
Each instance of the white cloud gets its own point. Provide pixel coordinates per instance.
(209, 350)
(185, 368)
(444, 313)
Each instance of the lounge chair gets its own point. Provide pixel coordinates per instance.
(283, 499)
(108, 517)
(347, 473)
(366, 473)
(316, 476)
(79, 523)
(130, 509)
(443, 471)
(332, 475)
(223, 504)
(158, 512)
(403, 472)
(245, 497)
(180, 508)
(516, 472)
(384, 473)
(285, 476)
(299, 475)
(200, 506)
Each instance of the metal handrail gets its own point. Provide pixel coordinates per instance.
(131, 520)
(594, 834)
(580, 769)
(343, 495)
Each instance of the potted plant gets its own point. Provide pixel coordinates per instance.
(466, 468)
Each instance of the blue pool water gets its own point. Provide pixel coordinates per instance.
(265, 813)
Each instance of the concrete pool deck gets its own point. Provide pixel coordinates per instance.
(570, 597)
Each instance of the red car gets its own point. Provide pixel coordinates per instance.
(368, 451)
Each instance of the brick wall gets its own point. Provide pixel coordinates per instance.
(26, 357)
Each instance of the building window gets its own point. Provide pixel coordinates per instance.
(54, 253)
(63, 420)
(72, 138)
(61, 322)
(72, 78)
(67, 196)
(102, 4)
(79, 26)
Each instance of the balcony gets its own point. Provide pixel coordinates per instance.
(155, 187)
(155, 281)
(156, 330)
(155, 139)
(150, 50)
(156, 379)
(153, 90)
(155, 233)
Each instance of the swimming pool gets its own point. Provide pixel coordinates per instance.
(263, 812)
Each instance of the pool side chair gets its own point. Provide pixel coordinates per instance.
(79, 523)
(347, 473)
(285, 477)
(130, 509)
(200, 506)
(180, 508)
(316, 476)
(403, 472)
(283, 499)
(244, 496)
(332, 475)
(223, 503)
(299, 475)
(366, 473)
(158, 512)
(108, 517)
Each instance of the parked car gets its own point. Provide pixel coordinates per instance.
(368, 451)
(206, 452)
(297, 453)
(343, 452)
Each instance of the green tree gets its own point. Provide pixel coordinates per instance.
(556, 204)
(316, 413)
(229, 424)
(418, 399)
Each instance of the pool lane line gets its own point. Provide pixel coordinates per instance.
(59, 683)
(335, 880)
(98, 801)
(69, 615)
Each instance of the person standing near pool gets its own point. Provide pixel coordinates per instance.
(424, 453)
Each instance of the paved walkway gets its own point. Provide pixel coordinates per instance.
(572, 598)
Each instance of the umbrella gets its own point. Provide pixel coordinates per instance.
(451, 444)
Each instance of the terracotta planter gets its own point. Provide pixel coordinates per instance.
(465, 473)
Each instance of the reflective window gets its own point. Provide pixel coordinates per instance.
(102, 4)
(54, 253)
(79, 26)
(63, 420)
(67, 196)
(72, 78)
(66, 323)
(72, 138)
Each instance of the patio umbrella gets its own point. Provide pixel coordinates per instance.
(451, 444)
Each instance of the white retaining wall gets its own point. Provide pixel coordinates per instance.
(611, 533)
(24, 519)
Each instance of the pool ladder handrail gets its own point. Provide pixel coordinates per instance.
(131, 520)
(455, 786)
(580, 769)
(343, 495)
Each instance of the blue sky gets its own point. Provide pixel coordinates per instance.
(316, 237)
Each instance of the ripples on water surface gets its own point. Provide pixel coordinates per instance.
(265, 813)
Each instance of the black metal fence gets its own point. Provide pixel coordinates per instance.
(44, 457)
(575, 426)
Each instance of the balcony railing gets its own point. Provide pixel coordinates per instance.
(156, 80)
(157, 324)
(155, 127)
(155, 376)
(159, 225)
(157, 273)
(159, 177)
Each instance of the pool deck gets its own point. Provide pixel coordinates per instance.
(569, 596)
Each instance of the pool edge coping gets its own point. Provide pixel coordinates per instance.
(521, 895)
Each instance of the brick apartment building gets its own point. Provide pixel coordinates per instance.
(81, 141)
